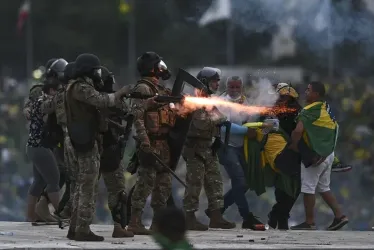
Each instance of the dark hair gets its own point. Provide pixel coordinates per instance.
(319, 88)
(171, 223)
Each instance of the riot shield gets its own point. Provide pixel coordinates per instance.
(184, 83)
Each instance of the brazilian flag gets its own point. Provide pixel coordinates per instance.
(320, 128)
(261, 171)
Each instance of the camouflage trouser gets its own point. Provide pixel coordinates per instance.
(115, 183)
(152, 181)
(72, 172)
(85, 170)
(202, 170)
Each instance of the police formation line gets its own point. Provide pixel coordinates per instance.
(79, 127)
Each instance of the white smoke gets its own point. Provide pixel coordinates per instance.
(261, 93)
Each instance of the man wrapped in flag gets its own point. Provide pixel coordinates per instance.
(320, 131)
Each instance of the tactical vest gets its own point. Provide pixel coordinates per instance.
(52, 133)
(202, 126)
(110, 159)
(82, 120)
(160, 119)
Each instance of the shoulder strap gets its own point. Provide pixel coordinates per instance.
(149, 84)
(35, 86)
(66, 103)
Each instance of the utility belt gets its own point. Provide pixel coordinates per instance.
(199, 138)
(158, 137)
(198, 142)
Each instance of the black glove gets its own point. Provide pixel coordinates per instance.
(216, 145)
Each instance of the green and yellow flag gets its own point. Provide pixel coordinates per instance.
(320, 128)
(260, 171)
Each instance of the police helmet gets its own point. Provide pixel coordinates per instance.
(147, 62)
(85, 63)
(69, 72)
(208, 75)
(49, 62)
(151, 64)
(56, 69)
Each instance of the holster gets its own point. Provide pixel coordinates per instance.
(133, 165)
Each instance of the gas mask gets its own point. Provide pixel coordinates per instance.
(96, 78)
(108, 84)
(162, 71)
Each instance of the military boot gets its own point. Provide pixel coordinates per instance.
(80, 236)
(136, 226)
(73, 223)
(119, 232)
(193, 224)
(42, 210)
(217, 221)
(208, 212)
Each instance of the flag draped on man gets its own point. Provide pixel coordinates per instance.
(320, 128)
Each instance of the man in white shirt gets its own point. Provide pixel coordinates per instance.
(232, 158)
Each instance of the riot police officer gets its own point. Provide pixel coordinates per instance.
(84, 125)
(152, 122)
(202, 161)
(111, 167)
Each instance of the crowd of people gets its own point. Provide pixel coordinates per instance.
(350, 99)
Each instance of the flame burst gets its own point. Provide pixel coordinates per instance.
(193, 103)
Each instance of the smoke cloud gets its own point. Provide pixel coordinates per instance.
(313, 20)
(260, 94)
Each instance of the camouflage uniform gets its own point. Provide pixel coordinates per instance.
(203, 169)
(81, 103)
(112, 171)
(152, 126)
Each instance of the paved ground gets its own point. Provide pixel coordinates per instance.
(26, 236)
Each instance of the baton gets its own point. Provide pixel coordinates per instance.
(169, 170)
